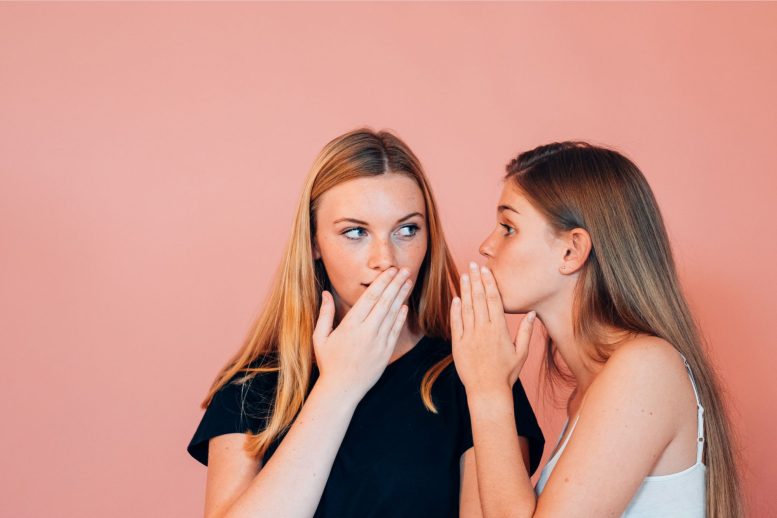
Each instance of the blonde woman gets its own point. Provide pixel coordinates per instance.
(343, 401)
(580, 246)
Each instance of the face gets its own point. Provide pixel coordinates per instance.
(524, 254)
(365, 226)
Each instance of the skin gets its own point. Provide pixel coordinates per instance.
(364, 227)
(372, 238)
(637, 412)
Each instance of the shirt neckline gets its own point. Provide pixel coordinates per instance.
(407, 353)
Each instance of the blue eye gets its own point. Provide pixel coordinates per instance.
(355, 233)
(408, 231)
(508, 229)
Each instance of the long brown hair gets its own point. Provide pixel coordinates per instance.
(629, 280)
(281, 337)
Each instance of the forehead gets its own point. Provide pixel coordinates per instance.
(514, 197)
(389, 196)
(528, 218)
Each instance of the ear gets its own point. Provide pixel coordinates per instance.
(578, 247)
(316, 251)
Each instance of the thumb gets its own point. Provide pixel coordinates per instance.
(523, 336)
(326, 317)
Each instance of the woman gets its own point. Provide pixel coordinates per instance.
(359, 411)
(581, 246)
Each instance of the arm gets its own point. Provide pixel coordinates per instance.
(502, 456)
(230, 471)
(631, 414)
(351, 359)
(469, 502)
(488, 363)
(302, 462)
(469, 499)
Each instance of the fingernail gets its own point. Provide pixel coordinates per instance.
(456, 301)
(531, 316)
(409, 283)
(405, 271)
(473, 266)
(465, 278)
(485, 270)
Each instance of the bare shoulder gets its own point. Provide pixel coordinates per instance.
(647, 358)
(630, 415)
(645, 373)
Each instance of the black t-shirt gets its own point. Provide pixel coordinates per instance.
(397, 458)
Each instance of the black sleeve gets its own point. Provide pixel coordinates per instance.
(525, 421)
(235, 408)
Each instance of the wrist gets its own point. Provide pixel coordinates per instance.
(490, 399)
(344, 394)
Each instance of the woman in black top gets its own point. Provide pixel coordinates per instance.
(343, 401)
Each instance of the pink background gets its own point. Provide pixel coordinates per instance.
(151, 157)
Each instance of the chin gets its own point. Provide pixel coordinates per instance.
(347, 300)
(516, 307)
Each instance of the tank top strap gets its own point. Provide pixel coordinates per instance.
(569, 435)
(699, 414)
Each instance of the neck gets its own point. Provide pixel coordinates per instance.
(406, 341)
(574, 350)
(559, 324)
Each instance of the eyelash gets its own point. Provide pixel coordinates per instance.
(509, 230)
(415, 228)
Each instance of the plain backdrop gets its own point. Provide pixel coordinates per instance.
(151, 158)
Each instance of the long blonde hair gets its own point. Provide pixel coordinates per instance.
(281, 336)
(629, 280)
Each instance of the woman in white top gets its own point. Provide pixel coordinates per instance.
(580, 245)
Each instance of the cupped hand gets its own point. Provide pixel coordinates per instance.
(352, 357)
(485, 356)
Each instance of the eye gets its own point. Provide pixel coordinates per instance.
(408, 231)
(508, 229)
(355, 233)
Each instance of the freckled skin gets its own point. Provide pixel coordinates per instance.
(354, 254)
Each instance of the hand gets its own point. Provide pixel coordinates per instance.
(352, 357)
(485, 356)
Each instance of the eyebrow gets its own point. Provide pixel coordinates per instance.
(360, 222)
(503, 208)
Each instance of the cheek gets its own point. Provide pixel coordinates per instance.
(509, 270)
(411, 256)
(344, 264)
(522, 275)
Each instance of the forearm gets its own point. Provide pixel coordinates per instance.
(292, 481)
(503, 483)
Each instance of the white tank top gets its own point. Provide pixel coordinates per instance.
(681, 494)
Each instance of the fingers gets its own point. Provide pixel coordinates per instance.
(467, 313)
(326, 317)
(382, 307)
(479, 305)
(457, 327)
(396, 306)
(370, 297)
(493, 298)
(396, 328)
(523, 336)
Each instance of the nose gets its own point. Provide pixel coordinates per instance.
(487, 248)
(382, 255)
